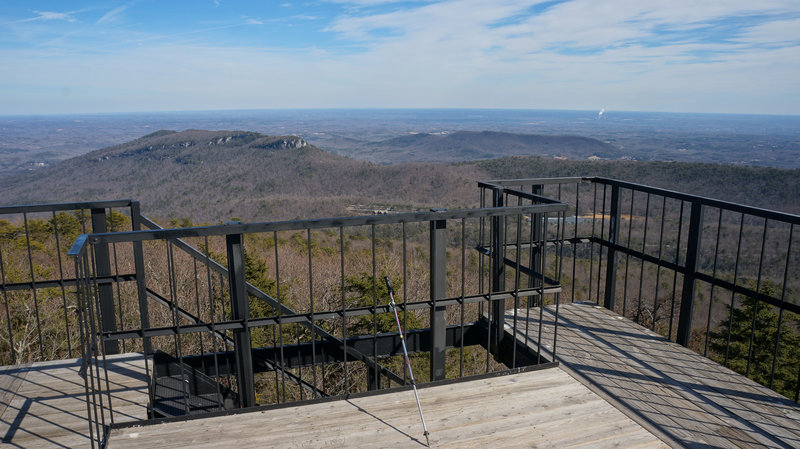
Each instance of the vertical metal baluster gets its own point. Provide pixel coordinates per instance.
(91, 337)
(344, 311)
(591, 246)
(516, 283)
(376, 380)
(575, 239)
(120, 316)
(542, 264)
(405, 293)
(199, 312)
(8, 312)
(644, 251)
(63, 290)
(33, 286)
(81, 292)
(531, 279)
(481, 244)
(280, 314)
(713, 282)
(213, 322)
(627, 257)
(227, 340)
(660, 252)
(559, 265)
(780, 311)
(311, 303)
(173, 291)
(675, 272)
(94, 313)
(602, 237)
(758, 292)
(463, 287)
(733, 290)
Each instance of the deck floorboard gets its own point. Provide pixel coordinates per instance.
(44, 404)
(685, 398)
(544, 408)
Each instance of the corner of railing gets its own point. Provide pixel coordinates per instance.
(79, 246)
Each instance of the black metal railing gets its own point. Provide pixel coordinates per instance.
(306, 298)
(37, 280)
(718, 277)
(268, 313)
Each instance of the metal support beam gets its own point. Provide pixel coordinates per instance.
(498, 306)
(613, 236)
(141, 284)
(690, 277)
(537, 228)
(105, 292)
(438, 273)
(301, 355)
(240, 309)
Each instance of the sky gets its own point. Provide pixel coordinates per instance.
(95, 56)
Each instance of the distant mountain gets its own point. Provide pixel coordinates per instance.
(217, 175)
(475, 145)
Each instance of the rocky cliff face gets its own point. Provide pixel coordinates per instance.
(163, 145)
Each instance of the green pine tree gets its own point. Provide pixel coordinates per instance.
(763, 335)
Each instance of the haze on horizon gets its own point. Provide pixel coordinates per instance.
(94, 56)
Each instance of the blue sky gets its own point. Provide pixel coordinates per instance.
(728, 56)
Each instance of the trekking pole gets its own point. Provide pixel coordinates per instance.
(408, 362)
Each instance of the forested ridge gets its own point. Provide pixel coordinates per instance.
(216, 175)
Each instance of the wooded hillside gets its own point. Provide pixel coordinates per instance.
(217, 175)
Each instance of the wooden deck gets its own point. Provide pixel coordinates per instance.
(44, 404)
(683, 397)
(544, 408)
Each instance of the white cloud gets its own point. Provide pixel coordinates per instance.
(51, 15)
(112, 15)
(776, 32)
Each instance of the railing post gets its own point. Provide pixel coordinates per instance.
(498, 306)
(105, 289)
(537, 246)
(141, 284)
(613, 239)
(438, 270)
(240, 310)
(689, 278)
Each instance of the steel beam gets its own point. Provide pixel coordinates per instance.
(240, 309)
(498, 278)
(327, 351)
(690, 276)
(611, 263)
(438, 273)
(105, 292)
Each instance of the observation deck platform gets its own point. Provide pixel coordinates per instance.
(682, 397)
(538, 408)
(617, 385)
(43, 405)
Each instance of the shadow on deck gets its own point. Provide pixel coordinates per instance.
(44, 404)
(681, 396)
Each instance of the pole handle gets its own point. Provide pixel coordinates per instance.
(388, 285)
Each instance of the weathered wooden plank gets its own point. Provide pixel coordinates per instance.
(664, 386)
(11, 377)
(718, 391)
(506, 411)
(48, 408)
